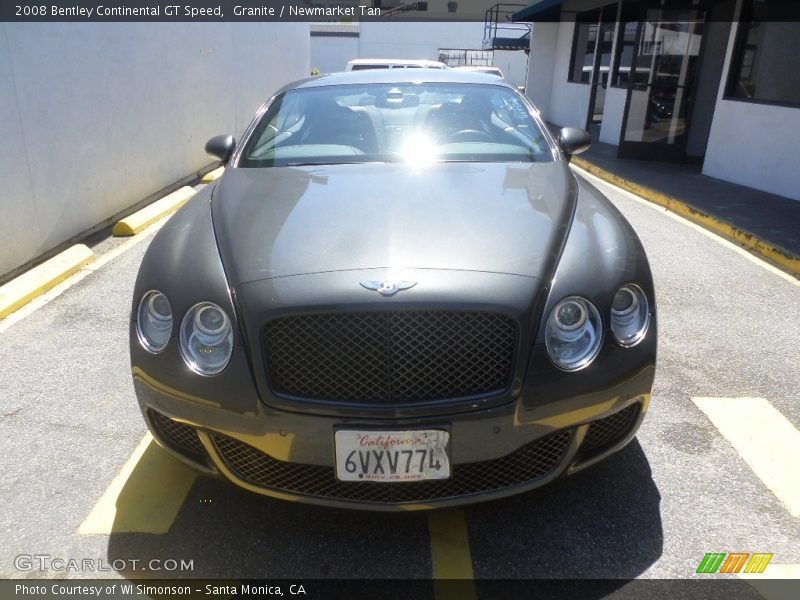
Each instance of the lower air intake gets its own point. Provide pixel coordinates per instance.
(182, 438)
(605, 433)
(527, 464)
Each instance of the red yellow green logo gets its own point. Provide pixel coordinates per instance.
(734, 562)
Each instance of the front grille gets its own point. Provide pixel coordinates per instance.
(604, 433)
(179, 436)
(388, 358)
(529, 463)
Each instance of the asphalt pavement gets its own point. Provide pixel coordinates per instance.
(69, 425)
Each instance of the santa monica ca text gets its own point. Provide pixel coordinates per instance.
(244, 589)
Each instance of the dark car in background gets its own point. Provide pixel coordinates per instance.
(397, 296)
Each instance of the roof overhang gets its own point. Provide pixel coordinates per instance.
(539, 10)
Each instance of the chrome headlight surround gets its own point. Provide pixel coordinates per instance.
(630, 315)
(206, 339)
(154, 321)
(574, 333)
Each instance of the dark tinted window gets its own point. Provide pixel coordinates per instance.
(584, 44)
(766, 63)
(366, 67)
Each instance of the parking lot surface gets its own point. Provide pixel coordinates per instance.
(83, 481)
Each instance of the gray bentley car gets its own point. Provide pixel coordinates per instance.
(397, 296)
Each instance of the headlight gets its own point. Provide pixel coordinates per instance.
(154, 321)
(206, 338)
(573, 333)
(630, 315)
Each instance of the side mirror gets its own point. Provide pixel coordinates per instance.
(573, 140)
(221, 147)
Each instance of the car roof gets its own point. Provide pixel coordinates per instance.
(398, 76)
(397, 61)
(478, 68)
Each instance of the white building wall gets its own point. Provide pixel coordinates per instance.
(613, 112)
(569, 102)
(539, 87)
(417, 40)
(330, 54)
(96, 117)
(514, 65)
(754, 144)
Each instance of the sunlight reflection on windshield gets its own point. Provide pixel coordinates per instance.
(419, 148)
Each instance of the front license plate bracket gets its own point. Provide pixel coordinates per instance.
(387, 456)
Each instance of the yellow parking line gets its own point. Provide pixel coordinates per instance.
(450, 555)
(774, 571)
(772, 583)
(764, 438)
(35, 282)
(145, 496)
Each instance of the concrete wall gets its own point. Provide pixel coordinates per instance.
(330, 54)
(95, 117)
(754, 144)
(417, 40)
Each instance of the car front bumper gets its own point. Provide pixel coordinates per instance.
(494, 452)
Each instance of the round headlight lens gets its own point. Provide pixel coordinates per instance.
(573, 333)
(206, 338)
(154, 321)
(630, 315)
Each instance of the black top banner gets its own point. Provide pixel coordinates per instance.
(333, 11)
(349, 11)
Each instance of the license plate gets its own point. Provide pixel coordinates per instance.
(392, 455)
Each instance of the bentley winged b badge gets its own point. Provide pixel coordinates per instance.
(388, 288)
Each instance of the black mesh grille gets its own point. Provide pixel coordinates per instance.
(606, 432)
(530, 462)
(385, 358)
(176, 434)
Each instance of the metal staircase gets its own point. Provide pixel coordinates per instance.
(501, 33)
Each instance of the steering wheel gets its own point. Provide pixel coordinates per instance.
(471, 135)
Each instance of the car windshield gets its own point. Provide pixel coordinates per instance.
(413, 122)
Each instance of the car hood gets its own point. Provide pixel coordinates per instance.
(491, 217)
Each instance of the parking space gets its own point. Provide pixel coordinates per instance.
(82, 481)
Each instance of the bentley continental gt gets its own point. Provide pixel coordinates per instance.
(397, 296)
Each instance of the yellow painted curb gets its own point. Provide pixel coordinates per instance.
(776, 255)
(33, 283)
(213, 175)
(151, 213)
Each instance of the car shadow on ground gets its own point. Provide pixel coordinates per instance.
(602, 522)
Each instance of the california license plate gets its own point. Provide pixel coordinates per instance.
(392, 456)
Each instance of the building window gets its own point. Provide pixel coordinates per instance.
(626, 50)
(584, 42)
(766, 64)
(457, 57)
